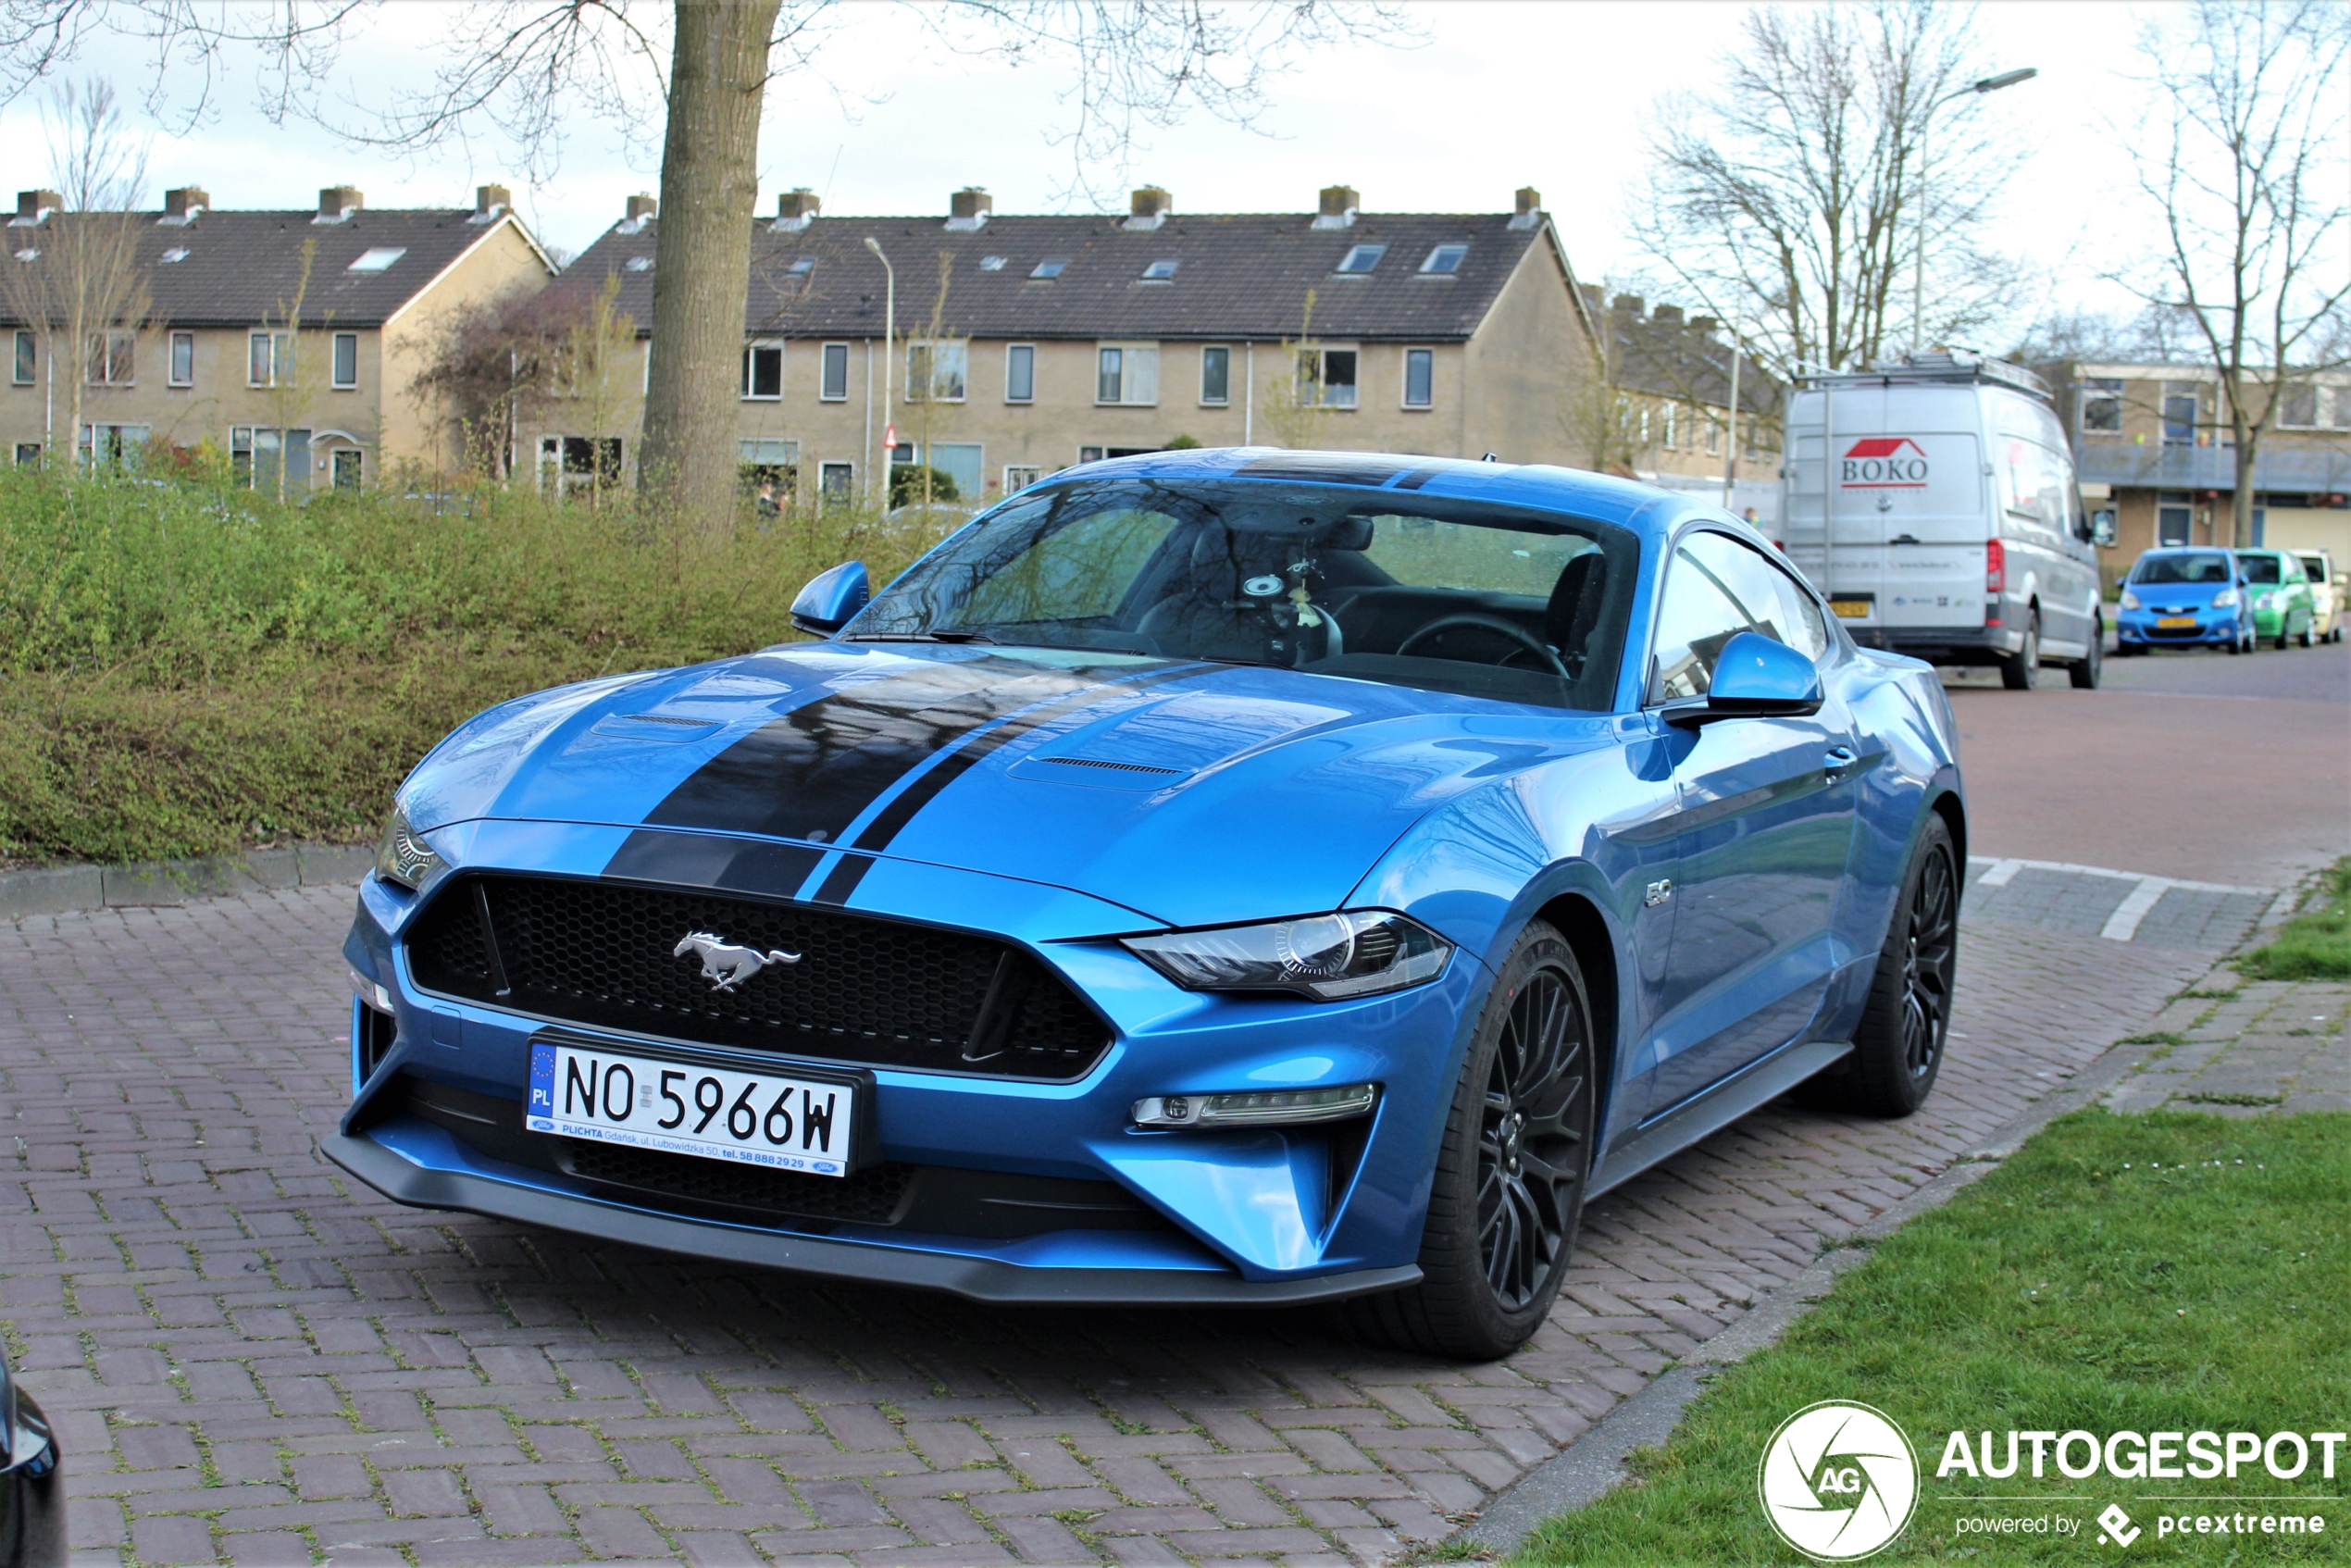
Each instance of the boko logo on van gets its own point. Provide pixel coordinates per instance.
(1883, 463)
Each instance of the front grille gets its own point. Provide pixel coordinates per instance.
(879, 992)
(871, 1196)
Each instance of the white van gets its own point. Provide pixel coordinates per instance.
(1956, 532)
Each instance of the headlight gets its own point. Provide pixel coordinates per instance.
(2269, 600)
(2225, 599)
(1328, 957)
(2131, 599)
(403, 856)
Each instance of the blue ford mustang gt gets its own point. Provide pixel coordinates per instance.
(1225, 876)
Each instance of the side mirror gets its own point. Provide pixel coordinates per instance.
(1756, 677)
(831, 598)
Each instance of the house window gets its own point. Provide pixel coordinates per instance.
(1671, 433)
(113, 445)
(1019, 476)
(935, 372)
(1715, 438)
(28, 453)
(1216, 375)
(349, 468)
(1050, 267)
(1420, 378)
(28, 358)
(113, 356)
(763, 371)
(1127, 374)
(836, 482)
(1020, 373)
(1327, 377)
(184, 359)
(2298, 407)
(1161, 270)
(2179, 418)
(1090, 454)
(579, 463)
(833, 385)
(2102, 405)
(347, 361)
(1445, 260)
(2341, 398)
(269, 359)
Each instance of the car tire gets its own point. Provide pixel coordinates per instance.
(2021, 668)
(2083, 672)
(2308, 639)
(1508, 1192)
(1897, 1052)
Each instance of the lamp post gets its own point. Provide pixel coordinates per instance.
(889, 322)
(1918, 260)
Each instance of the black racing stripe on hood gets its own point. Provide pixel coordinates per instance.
(699, 860)
(892, 819)
(843, 879)
(808, 775)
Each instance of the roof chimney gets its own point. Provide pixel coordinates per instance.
(969, 207)
(1337, 208)
(489, 201)
(183, 204)
(1530, 207)
(795, 209)
(1704, 324)
(1629, 304)
(35, 205)
(1668, 316)
(1148, 208)
(643, 209)
(337, 202)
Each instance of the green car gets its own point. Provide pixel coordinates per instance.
(2283, 608)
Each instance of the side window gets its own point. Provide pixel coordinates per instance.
(1715, 589)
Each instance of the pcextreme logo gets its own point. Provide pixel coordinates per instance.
(1883, 463)
(1838, 1480)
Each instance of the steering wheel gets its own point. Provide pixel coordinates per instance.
(1495, 624)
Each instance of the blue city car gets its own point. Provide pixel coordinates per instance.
(1220, 876)
(2183, 598)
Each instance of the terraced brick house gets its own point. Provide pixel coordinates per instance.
(1021, 345)
(2152, 444)
(1668, 417)
(286, 339)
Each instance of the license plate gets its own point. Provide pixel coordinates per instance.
(1853, 609)
(777, 1120)
(2174, 623)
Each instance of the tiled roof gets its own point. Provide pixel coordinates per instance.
(1239, 275)
(242, 268)
(1665, 356)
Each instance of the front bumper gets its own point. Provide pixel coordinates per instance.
(1944, 645)
(992, 1280)
(2213, 628)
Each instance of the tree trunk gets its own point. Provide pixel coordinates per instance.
(2240, 499)
(702, 257)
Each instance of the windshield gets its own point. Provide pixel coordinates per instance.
(2259, 568)
(2315, 567)
(1383, 585)
(2202, 566)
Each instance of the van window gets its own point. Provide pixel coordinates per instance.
(2037, 482)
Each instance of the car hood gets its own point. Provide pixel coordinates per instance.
(1192, 794)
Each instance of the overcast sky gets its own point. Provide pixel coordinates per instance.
(1555, 95)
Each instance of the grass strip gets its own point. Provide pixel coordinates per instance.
(2159, 1272)
(2315, 944)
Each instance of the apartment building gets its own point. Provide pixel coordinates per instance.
(289, 340)
(1019, 345)
(2153, 445)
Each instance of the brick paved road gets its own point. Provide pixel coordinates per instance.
(253, 1361)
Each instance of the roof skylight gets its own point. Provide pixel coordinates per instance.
(991, 264)
(1161, 270)
(1361, 259)
(1050, 267)
(1445, 259)
(639, 264)
(176, 253)
(375, 258)
(806, 264)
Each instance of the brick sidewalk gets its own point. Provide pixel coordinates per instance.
(252, 1360)
(2246, 1049)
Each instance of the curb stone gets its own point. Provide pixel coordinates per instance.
(1594, 1465)
(65, 890)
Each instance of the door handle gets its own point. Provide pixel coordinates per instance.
(1838, 760)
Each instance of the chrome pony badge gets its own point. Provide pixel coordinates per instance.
(724, 964)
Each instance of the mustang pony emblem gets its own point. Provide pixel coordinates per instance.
(724, 964)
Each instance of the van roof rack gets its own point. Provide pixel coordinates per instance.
(1935, 367)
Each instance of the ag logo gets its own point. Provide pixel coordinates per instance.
(1838, 1481)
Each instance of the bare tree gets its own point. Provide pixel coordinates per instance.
(1788, 200)
(73, 277)
(2243, 156)
(702, 69)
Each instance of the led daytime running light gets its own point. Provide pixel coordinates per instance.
(1256, 1108)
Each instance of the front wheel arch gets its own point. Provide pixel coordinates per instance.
(1586, 933)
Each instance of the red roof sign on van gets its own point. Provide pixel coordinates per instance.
(1883, 463)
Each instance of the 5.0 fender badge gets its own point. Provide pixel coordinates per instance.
(726, 965)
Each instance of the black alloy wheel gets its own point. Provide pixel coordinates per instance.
(1898, 1051)
(1508, 1190)
(2021, 668)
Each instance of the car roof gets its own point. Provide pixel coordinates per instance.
(1595, 497)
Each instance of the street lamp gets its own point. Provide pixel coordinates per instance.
(889, 321)
(1918, 261)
